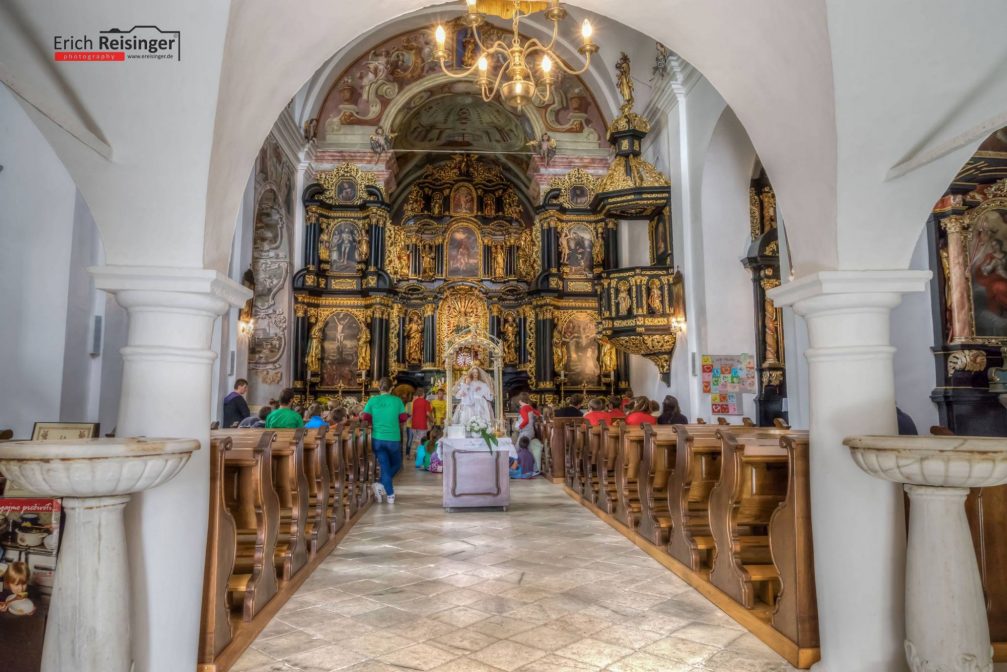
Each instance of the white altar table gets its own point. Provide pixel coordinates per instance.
(475, 477)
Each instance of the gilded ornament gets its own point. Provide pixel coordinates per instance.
(414, 338)
(966, 360)
(772, 377)
(754, 213)
(956, 224)
(364, 348)
(559, 352)
(509, 338)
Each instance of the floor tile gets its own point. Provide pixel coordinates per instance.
(594, 652)
(508, 655)
(418, 657)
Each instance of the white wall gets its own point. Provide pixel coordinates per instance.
(37, 224)
(49, 301)
(728, 297)
(913, 336)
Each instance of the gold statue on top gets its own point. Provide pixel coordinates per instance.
(624, 82)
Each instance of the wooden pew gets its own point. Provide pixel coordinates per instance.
(292, 488)
(697, 470)
(753, 483)
(352, 462)
(336, 463)
(252, 501)
(796, 614)
(627, 470)
(560, 454)
(316, 472)
(607, 456)
(367, 466)
(215, 621)
(657, 461)
(590, 455)
(572, 450)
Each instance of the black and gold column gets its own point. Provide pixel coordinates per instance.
(300, 344)
(430, 337)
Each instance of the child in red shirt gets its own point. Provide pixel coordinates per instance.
(640, 414)
(597, 412)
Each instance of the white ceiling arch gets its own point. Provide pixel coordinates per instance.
(834, 95)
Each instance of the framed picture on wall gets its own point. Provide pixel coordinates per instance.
(54, 431)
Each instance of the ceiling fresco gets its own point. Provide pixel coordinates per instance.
(373, 83)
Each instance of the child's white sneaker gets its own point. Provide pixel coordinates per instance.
(391, 499)
(379, 491)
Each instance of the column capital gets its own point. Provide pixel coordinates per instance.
(870, 287)
(203, 282)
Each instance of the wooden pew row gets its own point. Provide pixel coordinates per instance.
(215, 630)
(251, 498)
(749, 522)
(753, 482)
(279, 503)
(563, 468)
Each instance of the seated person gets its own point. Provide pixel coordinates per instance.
(640, 413)
(313, 418)
(337, 416)
(572, 408)
(426, 449)
(597, 412)
(14, 596)
(671, 414)
(523, 466)
(258, 420)
(615, 411)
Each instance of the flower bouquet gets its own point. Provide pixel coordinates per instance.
(477, 427)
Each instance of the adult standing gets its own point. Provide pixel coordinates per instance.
(285, 417)
(386, 413)
(528, 417)
(235, 406)
(420, 418)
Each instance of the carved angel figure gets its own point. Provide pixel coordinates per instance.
(364, 349)
(559, 352)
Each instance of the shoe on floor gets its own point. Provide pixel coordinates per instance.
(391, 499)
(379, 491)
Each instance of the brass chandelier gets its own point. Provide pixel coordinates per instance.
(519, 80)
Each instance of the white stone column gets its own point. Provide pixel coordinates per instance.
(858, 522)
(166, 379)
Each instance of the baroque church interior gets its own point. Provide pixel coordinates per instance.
(785, 221)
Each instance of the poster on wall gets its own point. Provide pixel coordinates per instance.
(29, 541)
(725, 379)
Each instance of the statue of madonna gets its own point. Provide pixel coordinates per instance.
(475, 398)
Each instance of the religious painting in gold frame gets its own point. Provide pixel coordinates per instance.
(576, 343)
(463, 199)
(340, 342)
(344, 244)
(463, 252)
(987, 272)
(576, 246)
(56, 431)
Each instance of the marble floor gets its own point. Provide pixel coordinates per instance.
(546, 587)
